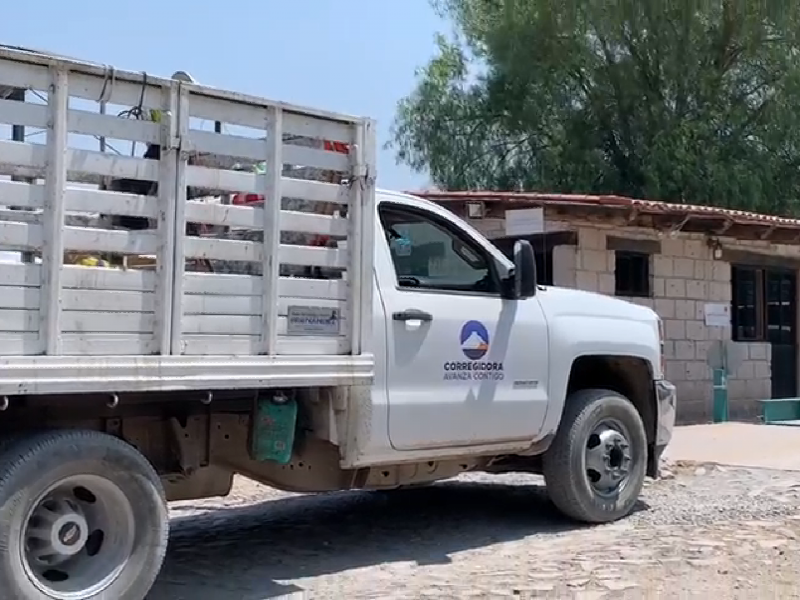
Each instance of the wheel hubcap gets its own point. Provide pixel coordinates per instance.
(77, 538)
(608, 458)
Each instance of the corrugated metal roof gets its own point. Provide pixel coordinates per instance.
(737, 217)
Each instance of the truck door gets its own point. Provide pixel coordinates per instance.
(464, 366)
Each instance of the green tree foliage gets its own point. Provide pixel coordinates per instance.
(679, 100)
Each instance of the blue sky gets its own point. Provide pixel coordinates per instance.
(351, 56)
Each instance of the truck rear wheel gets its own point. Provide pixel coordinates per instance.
(83, 516)
(595, 468)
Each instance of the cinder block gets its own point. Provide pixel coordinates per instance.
(684, 310)
(586, 280)
(696, 330)
(684, 267)
(674, 329)
(675, 288)
(685, 350)
(591, 238)
(696, 248)
(665, 307)
(696, 289)
(663, 266)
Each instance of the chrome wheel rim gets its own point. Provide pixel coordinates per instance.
(608, 458)
(77, 538)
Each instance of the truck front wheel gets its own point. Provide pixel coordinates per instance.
(82, 517)
(595, 468)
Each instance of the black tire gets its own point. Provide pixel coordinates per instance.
(32, 465)
(568, 483)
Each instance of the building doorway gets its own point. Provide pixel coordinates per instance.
(764, 309)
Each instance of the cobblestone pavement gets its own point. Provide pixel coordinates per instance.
(729, 532)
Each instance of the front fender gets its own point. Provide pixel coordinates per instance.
(574, 336)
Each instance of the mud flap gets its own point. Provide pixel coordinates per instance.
(273, 431)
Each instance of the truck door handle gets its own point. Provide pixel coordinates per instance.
(412, 314)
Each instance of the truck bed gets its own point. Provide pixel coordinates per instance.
(250, 298)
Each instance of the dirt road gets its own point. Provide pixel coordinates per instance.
(729, 532)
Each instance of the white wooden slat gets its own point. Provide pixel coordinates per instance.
(25, 275)
(30, 235)
(313, 256)
(227, 145)
(222, 249)
(19, 297)
(175, 219)
(54, 212)
(248, 217)
(19, 320)
(221, 179)
(83, 83)
(90, 278)
(246, 251)
(305, 222)
(23, 154)
(248, 345)
(255, 116)
(20, 235)
(86, 123)
(205, 304)
(28, 298)
(127, 88)
(21, 216)
(20, 344)
(271, 230)
(110, 203)
(250, 285)
(92, 321)
(221, 324)
(89, 344)
(86, 239)
(311, 157)
(16, 193)
(111, 165)
(244, 114)
(250, 183)
(307, 346)
(315, 191)
(94, 278)
(80, 122)
(235, 325)
(317, 128)
(79, 162)
(106, 301)
(171, 203)
(297, 287)
(27, 114)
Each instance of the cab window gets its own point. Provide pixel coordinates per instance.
(429, 255)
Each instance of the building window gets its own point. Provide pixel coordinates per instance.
(763, 308)
(632, 274)
(544, 267)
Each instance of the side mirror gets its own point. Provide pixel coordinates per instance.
(524, 270)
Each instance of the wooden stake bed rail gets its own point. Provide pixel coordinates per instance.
(165, 319)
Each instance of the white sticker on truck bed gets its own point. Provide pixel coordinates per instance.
(312, 320)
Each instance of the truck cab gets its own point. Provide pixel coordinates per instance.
(473, 354)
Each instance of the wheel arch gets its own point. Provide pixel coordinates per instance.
(631, 376)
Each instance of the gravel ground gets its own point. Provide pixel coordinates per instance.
(705, 529)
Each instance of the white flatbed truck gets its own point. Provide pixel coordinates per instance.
(403, 349)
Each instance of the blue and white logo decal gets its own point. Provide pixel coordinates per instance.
(474, 340)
